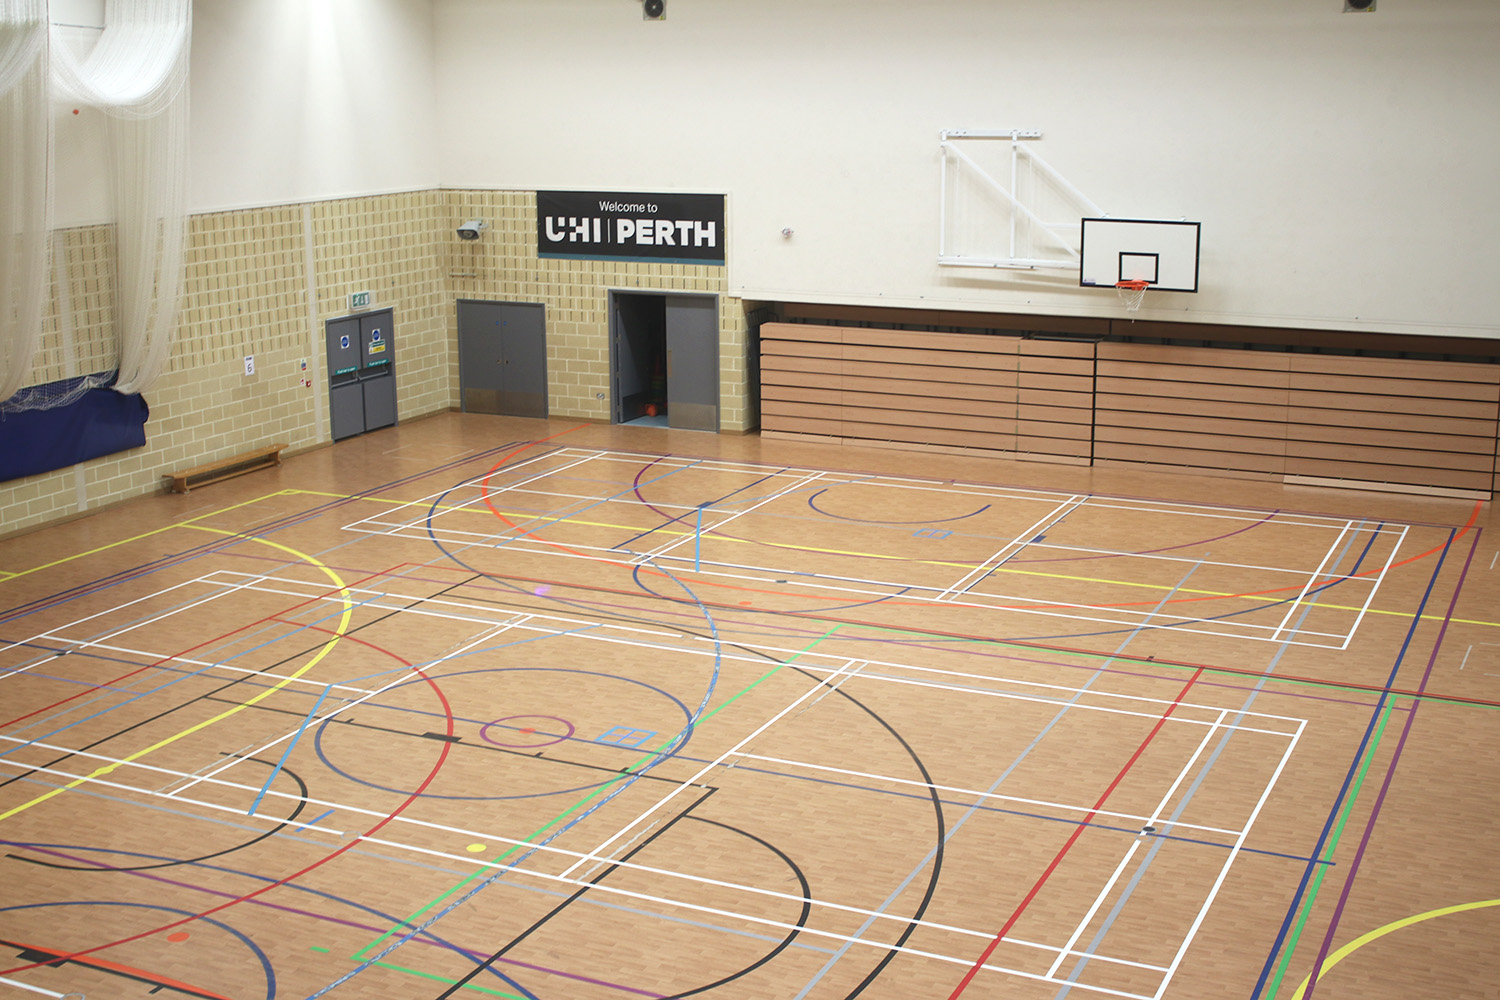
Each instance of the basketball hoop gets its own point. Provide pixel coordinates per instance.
(1131, 293)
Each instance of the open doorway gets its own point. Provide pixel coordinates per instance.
(664, 359)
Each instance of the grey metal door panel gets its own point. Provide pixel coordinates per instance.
(502, 352)
(380, 401)
(376, 341)
(693, 362)
(344, 356)
(347, 410)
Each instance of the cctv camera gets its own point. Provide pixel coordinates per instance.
(470, 230)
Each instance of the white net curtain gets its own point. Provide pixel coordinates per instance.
(136, 75)
(25, 185)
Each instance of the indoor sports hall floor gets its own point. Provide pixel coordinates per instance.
(489, 707)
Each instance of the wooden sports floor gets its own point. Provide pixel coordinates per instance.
(489, 707)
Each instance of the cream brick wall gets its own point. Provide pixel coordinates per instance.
(504, 266)
(246, 293)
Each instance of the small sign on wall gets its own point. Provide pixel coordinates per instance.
(359, 300)
(665, 228)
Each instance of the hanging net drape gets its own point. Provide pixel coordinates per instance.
(137, 75)
(25, 185)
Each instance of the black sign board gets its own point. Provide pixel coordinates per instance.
(665, 228)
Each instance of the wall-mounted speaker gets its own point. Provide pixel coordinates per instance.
(1358, 6)
(654, 10)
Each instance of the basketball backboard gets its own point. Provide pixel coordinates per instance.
(1163, 254)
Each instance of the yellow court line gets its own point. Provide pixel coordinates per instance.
(135, 538)
(1380, 932)
(327, 648)
(921, 562)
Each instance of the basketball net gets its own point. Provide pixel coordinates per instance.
(1132, 292)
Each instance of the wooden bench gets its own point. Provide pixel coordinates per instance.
(226, 468)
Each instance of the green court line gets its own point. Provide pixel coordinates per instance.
(487, 870)
(450, 982)
(1321, 685)
(1338, 831)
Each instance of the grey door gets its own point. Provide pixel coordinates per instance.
(502, 357)
(693, 362)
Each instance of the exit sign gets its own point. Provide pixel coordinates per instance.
(359, 300)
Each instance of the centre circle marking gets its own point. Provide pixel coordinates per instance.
(530, 730)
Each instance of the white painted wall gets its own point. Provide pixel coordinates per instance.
(1341, 164)
(306, 99)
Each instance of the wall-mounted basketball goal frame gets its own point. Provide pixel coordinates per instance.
(1035, 218)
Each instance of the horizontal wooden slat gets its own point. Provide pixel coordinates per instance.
(801, 331)
(1418, 461)
(1198, 459)
(1054, 429)
(801, 425)
(945, 359)
(1189, 390)
(827, 366)
(780, 378)
(1386, 420)
(916, 340)
(1381, 438)
(1055, 383)
(800, 394)
(992, 408)
(928, 373)
(800, 349)
(906, 386)
(1228, 409)
(1071, 367)
(1057, 414)
(1404, 387)
(932, 435)
(1455, 478)
(1053, 446)
(1470, 409)
(1183, 470)
(1031, 396)
(1041, 347)
(1193, 442)
(1173, 354)
(1190, 423)
(954, 421)
(1193, 374)
(1445, 371)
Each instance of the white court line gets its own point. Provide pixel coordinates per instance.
(471, 834)
(36, 989)
(559, 625)
(1182, 622)
(1316, 575)
(1020, 541)
(1041, 803)
(414, 672)
(688, 536)
(1135, 844)
(1375, 587)
(1234, 852)
(707, 768)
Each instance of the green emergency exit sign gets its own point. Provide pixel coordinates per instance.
(359, 300)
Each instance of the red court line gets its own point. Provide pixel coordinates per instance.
(159, 982)
(173, 656)
(1077, 831)
(413, 797)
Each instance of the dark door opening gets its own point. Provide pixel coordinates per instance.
(664, 360)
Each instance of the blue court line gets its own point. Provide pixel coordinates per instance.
(304, 826)
(1359, 753)
(679, 517)
(288, 751)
